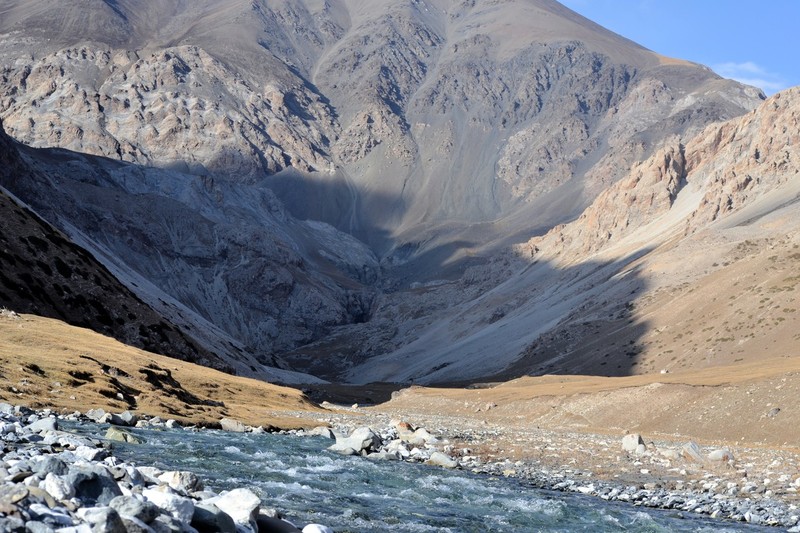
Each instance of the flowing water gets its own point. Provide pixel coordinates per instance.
(351, 494)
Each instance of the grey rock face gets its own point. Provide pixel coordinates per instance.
(361, 440)
(128, 506)
(115, 433)
(208, 517)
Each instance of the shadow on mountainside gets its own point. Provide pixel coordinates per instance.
(333, 199)
(495, 323)
(446, 316)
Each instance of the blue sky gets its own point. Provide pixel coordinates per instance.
(755, 42)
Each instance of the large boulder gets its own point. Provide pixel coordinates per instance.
(128, 418)
(120, 435)
(132, 507)
(93, 484)
(721, 456)
(103, 519)
(181, 481)
(362, 440)
(241, 504)
(174, 504)
(230, 424)
(441, 459)
(42, 425)
(322, 431)
(631, 442)
(691, 452)
(209, 517)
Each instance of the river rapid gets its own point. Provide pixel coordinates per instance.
(308, 484)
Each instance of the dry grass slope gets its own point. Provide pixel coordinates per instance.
(46, 363)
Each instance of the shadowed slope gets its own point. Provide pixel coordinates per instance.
(43, 272)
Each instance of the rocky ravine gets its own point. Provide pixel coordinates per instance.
(436, 132)
(292, 279)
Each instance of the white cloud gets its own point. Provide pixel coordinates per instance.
(751, 74)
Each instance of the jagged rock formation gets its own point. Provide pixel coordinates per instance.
(232, 142)
(686, 262)
(459, 112)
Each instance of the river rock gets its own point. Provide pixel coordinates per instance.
(269, 524)
(691, 452)
(117, 434)
(721, 456)
(241, 504)
(57, 486)
(418, 437)
(209, 517)
(90, 453)
(93, 484)
(230, 424)
(181, 481)
(322, 431)
(150, 473)
(316, 528)
(165, 498)
(67, 440)
(103, 519)
(95, 414)
(50, 464)
(43, 424)
(631, 442)
(53, 517)
(132, 507)
(441, 459)
(360, 440)
(128, 418)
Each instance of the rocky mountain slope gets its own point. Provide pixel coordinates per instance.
(43, 272)
(236, 269)
(228, 159)
(687, 262)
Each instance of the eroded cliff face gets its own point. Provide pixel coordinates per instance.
(724, 168)
(461, 111)
(176, 108)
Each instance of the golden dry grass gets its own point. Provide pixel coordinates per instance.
(46, 363)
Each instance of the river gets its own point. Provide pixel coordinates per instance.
(306, 483)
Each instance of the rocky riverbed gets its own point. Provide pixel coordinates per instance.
(736, 483)
(55, 480)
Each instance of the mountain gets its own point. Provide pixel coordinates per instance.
(342, 188)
